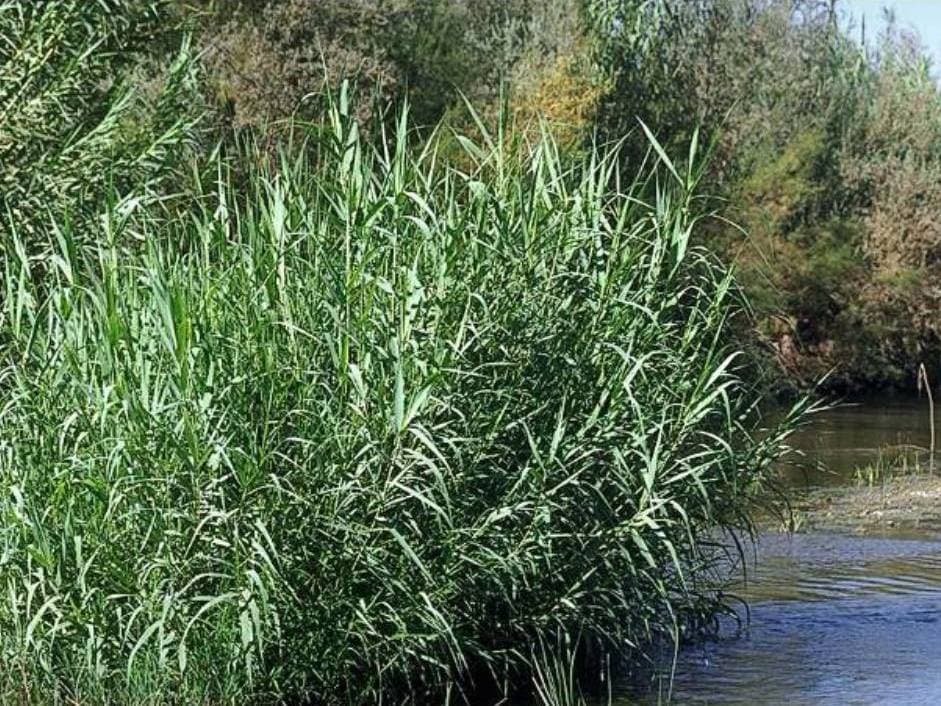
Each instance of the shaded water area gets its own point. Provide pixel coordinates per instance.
(838, 441)
(831, 619)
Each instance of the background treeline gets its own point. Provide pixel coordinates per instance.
(825, 153)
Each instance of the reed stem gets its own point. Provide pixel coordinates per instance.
(923, 381)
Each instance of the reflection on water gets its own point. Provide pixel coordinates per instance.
(840, 440)
(815, 567)
(834, 620)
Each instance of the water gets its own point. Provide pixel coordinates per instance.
(833, 619)
(840, 440)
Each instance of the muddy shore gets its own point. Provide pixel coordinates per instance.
(901, 505)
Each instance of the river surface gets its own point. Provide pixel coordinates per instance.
(833, 619)
(838, 441)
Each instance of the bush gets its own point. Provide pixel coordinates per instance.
(270, 61)
(267, 58)
(379, 427)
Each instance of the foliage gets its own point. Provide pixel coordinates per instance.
(70, 128)
(376, 427)
(365, 409)
(267, 60)
(827, 153)
(272, 60)
(562, 93)
(811, 134)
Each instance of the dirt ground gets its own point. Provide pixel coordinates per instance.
(897, 505)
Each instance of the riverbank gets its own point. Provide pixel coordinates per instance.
(906, 504)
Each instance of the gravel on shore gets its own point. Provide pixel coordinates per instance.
(907, 504)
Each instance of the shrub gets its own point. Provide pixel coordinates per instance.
(267, 58)
(378, 427)
(563, 98)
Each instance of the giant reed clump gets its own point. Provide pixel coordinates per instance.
(378, 426)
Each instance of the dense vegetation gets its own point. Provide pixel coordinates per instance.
(826, 149)
(828, 156)
(372, 425)
(395, 388)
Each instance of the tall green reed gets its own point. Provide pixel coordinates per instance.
(74, 127)
(372, 426)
